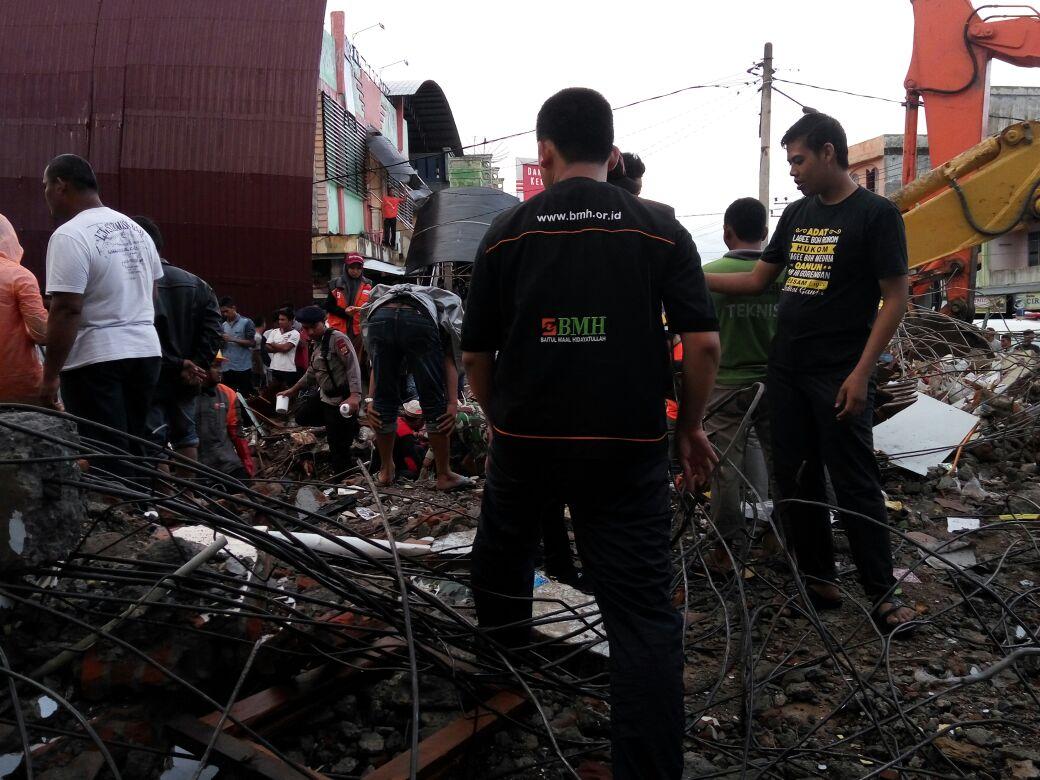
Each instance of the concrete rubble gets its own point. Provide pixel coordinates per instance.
(285, 653)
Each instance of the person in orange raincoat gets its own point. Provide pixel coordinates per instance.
(23, 321)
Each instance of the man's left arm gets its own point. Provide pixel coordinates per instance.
(852, 395)
(887, 258)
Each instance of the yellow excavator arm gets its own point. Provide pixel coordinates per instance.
(980, 194)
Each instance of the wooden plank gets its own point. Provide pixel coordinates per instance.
(250, 755)
(442, 747)
(305, 691)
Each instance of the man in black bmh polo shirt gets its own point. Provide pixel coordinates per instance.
(844, 249)
(572, 368)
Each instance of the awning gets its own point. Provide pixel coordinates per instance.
(451, 223)
(390, 157)
(384, 268)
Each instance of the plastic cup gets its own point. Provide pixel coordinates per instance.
(281, 404)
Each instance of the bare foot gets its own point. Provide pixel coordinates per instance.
(451, 481)
(386, 477)
(896, 617)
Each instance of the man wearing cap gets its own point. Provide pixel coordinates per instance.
(347, 294)
(420, 327)
(334, 369)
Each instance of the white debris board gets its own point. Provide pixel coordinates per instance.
(926, 425)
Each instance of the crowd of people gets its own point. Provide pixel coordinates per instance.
(600, 398)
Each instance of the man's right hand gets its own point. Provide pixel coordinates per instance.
(49, 394)
(697, 456)
(290, 393)
(192, 374)
(375, 422)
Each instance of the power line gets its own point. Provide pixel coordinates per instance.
(839, 91)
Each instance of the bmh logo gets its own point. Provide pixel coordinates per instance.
(570, 330)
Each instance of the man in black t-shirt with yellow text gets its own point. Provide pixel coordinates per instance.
(844, 249)
(572, 370)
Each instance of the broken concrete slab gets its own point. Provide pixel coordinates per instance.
(41, 517)
(929, 429)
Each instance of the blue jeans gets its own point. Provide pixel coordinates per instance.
(406, 336)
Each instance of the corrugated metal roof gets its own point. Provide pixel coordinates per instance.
(199, 114)
(431, 125)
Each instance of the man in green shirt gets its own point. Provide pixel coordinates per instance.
(747, 324)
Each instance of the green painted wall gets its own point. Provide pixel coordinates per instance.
(332, 190)
(328, 59)
(355, 209)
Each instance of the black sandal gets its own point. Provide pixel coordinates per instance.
(821, 602)
(880, 618)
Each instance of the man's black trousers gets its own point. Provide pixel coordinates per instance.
(116, 394)
(807, 436)
(621, 514)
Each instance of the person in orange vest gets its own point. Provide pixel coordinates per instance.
(222, 446)
(391, 203)
(347, 294)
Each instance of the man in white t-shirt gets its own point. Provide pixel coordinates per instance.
(102, 346)
(281, 343)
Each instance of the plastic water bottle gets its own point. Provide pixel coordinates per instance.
(347, 410)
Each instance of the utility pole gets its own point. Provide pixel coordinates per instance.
(763, 126)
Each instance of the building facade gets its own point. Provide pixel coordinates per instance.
(474, 170)
(1008, 278)
(363, 134)
(528, 178)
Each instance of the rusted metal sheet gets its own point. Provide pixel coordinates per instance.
(197, 114)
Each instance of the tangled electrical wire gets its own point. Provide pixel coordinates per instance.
(751, 634)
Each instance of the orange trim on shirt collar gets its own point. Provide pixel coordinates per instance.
(582, 230)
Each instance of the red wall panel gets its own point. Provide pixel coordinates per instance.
(196, 113)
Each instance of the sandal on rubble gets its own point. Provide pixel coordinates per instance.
(899, 630)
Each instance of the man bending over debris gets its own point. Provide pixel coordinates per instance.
(844, 249)
(219, 424)
(405, 324)
(571, 369)
(334, 369)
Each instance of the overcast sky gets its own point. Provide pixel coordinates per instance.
(497, 62)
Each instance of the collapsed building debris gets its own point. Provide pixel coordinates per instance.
(284, 652)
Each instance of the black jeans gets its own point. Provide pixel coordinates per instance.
(806, 437)
(621, 513)
(406, 337)
(340, 431)
(239, 381)
(116, 393)
(389, 230)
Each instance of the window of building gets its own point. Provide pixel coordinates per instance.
(871, 179)
(1034, 250)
